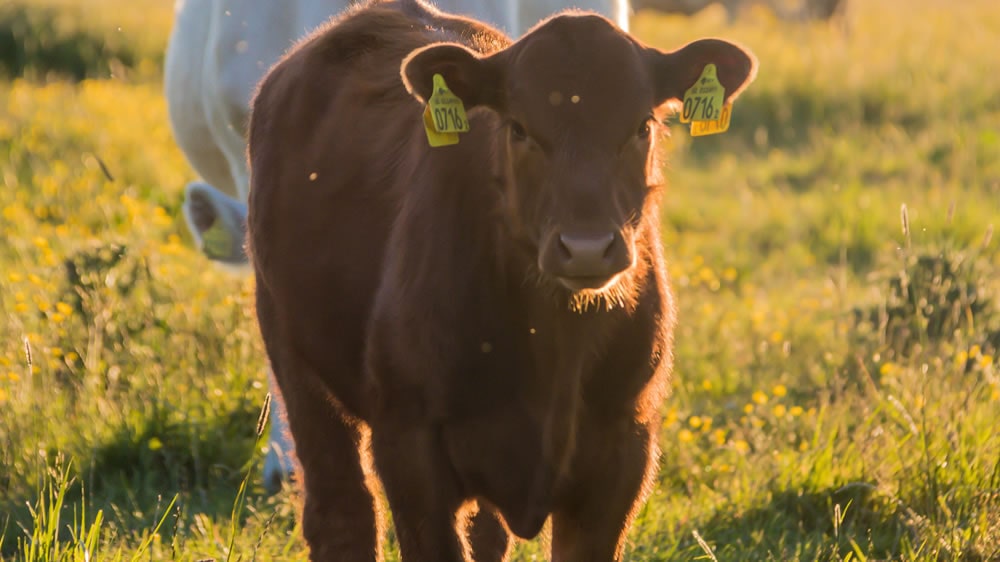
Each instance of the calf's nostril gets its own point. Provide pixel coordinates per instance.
(565, 252)
(610, 248)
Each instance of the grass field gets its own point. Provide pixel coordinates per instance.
(836, 394)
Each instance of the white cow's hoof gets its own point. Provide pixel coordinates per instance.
(217, 222)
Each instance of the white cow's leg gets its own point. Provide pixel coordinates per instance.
(183, 85)
(279, 463)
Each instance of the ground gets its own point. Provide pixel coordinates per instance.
(836, 393)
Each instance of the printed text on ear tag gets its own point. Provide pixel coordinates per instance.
(703, 101)
(434, 138)
(720, 125)
(447, 109)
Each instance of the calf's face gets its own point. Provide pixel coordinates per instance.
(580, 102)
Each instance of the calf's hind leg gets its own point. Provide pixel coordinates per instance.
(340, 518)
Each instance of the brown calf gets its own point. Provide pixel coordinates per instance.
(489, 321)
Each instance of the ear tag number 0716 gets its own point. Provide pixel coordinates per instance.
(444, 116)
(704, 105)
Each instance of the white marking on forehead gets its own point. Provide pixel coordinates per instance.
(575, 99)
(555, 98)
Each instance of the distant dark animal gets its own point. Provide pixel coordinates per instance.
(489, 323)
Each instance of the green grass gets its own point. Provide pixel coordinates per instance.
(836, 391)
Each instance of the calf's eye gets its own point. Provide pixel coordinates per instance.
(644, 129)
(517, 131)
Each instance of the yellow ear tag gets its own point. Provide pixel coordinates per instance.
(434, 138)
(703, 105)
(447, 109)
(703, 101)
(720, 125)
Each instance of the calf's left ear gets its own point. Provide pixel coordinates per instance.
(673, 73)
(475, 79)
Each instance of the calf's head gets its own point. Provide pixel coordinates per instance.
(581, 104)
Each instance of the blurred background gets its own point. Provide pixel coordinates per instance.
(835, 394)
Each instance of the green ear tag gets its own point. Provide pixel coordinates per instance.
(447, 110)
(703, 101)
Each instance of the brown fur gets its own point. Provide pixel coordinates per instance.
(495, 313)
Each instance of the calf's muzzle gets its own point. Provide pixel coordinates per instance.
(585, 260)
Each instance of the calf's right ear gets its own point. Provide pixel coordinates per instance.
(476, 80)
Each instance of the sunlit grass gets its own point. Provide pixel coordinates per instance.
(836, 390)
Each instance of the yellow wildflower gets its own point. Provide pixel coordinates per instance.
(759, 397)
(706, 275)
(64, 308)
(779, 411)
(694, 422)
(986, 361)
(741, 446)
(748, 409)
(155, 444)
(670, 418)
(796, 411)
(160, 217)
(779, 390)
(685, 436)
(719, 437)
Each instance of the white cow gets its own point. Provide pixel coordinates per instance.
(218, 51)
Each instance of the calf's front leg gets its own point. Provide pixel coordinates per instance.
(423, 497)
(613, 473)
